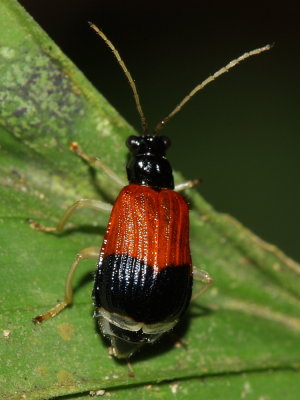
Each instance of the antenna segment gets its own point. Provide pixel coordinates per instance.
(128, 76)
(211, 78)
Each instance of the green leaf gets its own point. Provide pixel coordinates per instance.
(242, 337)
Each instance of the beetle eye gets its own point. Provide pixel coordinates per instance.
(133, 142)
(166, 141)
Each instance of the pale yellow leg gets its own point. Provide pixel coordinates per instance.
(96, 162)
(131, 373)
(203, 276)
(187, 185)
(88, 253)
(82, 203)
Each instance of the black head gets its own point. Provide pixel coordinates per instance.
(148, 164)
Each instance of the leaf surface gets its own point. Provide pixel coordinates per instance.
(243, 334)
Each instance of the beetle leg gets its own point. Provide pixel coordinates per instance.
(96, 162)
(88, 253)
(131, 373)
(82, 203)
(203, 276)
(187, 185)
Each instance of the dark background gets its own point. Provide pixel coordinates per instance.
(241, 134)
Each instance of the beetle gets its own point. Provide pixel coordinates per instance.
(144, 276)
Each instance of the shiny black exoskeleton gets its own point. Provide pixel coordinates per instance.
(148, 164)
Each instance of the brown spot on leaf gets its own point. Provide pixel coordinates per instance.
(42, 370)
(66, 330)
(65, 378)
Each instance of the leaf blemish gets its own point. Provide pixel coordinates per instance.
(65, 378)
(42, 370)
(66, 330)
(37, 98)
(7, 52)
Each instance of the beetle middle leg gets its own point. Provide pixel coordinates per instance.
(82, 203)
(88, 253)
(187, 185)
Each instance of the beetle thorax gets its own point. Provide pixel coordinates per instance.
(148, 164)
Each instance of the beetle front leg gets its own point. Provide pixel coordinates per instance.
(91, 253)
(97, 163)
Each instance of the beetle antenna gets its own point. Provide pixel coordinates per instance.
(211, 78)
(128, 76)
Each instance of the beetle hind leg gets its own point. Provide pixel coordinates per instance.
(88, 253)
(203, 276)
